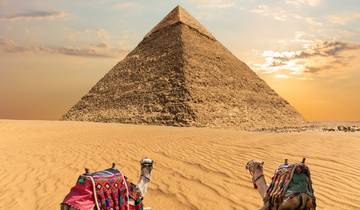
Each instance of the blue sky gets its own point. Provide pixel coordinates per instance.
(302, 48)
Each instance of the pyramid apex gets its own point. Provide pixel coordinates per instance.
(179, 7)
(179, 14)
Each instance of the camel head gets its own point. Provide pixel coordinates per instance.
(256, 170)
(146, 168)
(254, 166)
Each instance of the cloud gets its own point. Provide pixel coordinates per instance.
(102, 45)
(344, 18)
(35, 15)
(312, 3)
(324, 49)
(99, 36)
(214, 3)
(264, 10)
(281, 14)
(89, 34)
(92, 50)
(282, 76)
(102, 34)
(312, 59)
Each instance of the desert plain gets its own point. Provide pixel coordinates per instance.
(195, 168)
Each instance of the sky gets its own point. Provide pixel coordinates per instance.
(52, 52)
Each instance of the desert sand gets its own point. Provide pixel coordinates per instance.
(195, 168)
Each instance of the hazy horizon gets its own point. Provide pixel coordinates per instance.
(52, 53)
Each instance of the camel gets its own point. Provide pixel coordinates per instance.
(290, 189)
(109, 189)
(146, 166)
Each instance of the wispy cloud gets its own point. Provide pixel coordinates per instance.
(282, 76)
(344, 18)
(264, 10)
(102, 34)
(92, 50)
(282, 14)
(214, 3)
(316, 58)
(34, 15)
(304, 2)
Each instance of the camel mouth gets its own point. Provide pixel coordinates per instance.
(147, 162)
(249, 164)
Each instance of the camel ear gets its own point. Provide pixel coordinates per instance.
(262, 163)
(87, 171)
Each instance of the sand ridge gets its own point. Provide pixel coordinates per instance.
(195, 168)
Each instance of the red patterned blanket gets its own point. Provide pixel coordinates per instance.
(104, 190)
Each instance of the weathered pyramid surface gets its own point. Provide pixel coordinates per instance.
(180, 15)
(180, 75)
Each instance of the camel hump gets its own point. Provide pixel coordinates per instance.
(91, 189)
(288, 180)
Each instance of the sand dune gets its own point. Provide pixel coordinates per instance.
(196, 168)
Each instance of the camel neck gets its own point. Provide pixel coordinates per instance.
(260, 183)
(143, 184)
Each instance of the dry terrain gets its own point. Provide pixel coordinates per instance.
(196, 168)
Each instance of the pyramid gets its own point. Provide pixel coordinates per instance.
(180, 75)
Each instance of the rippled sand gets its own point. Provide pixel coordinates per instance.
(196, 168)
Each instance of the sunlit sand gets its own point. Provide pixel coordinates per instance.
(195, 168)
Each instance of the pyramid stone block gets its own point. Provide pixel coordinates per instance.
(180, 75)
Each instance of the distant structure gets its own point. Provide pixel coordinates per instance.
(180, 75)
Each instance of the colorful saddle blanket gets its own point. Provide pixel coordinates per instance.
(289, 180)
(104, 190)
